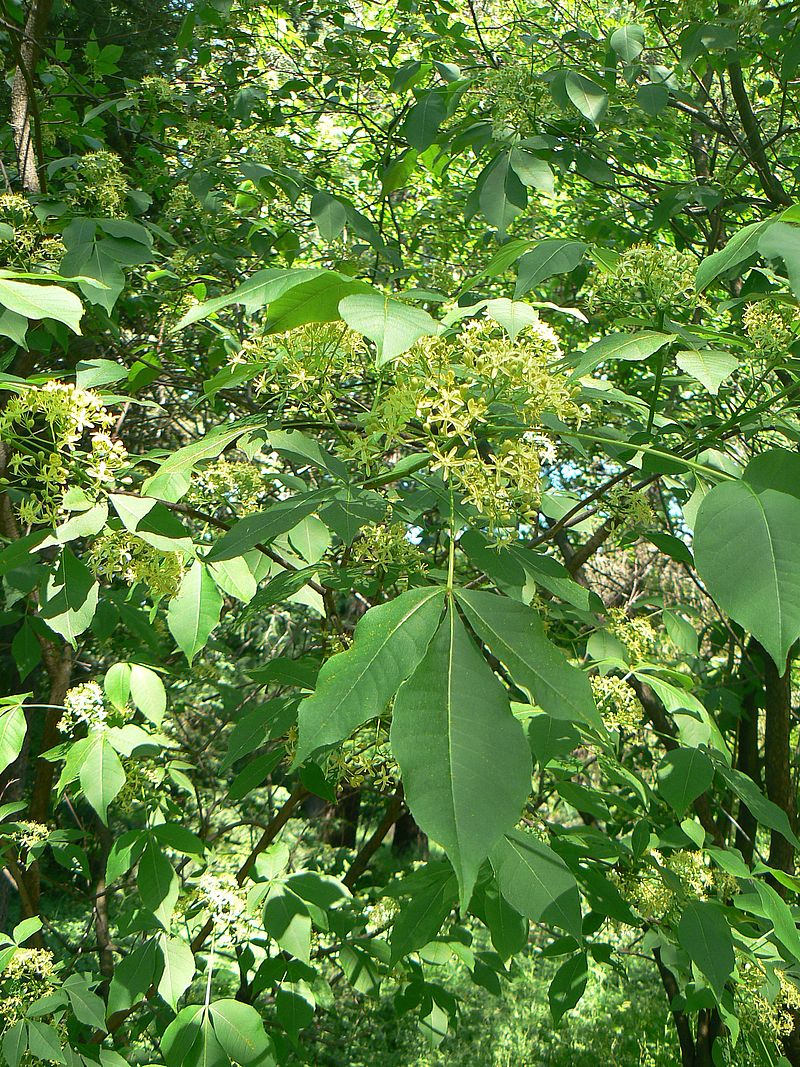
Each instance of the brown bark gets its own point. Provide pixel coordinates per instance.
(747, 761)
(375, 840)
(24, 108)
(777, 760)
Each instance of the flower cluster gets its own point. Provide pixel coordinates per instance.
(86, 709)
(123, 555)
(58, 439)
(386, 547)
(267, 148)
(648, 279)
(763, 1010)
(24, 244)
(381, 914)
(518, 99)
(366, 758)
(310, 370)
(660, 888)
(225, 902)
(142, 784)
(99, 186)
(30, 835)
(770, 326)
(629, 506)
(242, 486)
(28, 976)
(636, 634)
(462, 392)
(617, 703)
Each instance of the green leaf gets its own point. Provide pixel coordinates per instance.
(568, 985)
(44, 1042)
(513, 315)
(683, 775)
(287, 920)
(502, 195)
(264, 526)
(329, 215)
(148, 693)
(87, 1006)
(12, 734)
(532, 172)
(240, 1031)
(117, 684)
(587, 96)
(705, 936)
(173, 478)
(420, 919)
(508, 929)
(765, 811)
(134, 973)
(178, 971)
(392, 325)
(741, 247)
(194, 610)
(780, 241)
(424, 119)
(514, 633)
(536, 882)
(360, 969)
(747, 550)
(625, 346)
(157, 881)
(190, 1041)
(315, 300)
(465, 763)
(41, 302)
(357, 685)
(255, 293)
(15, 1043)
(101, 775)
(70, 599)
(772, 907)
(234, 577)
(628, 42)
(709, 366)
(556, 255)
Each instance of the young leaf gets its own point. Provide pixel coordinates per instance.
(194, 610)
(464, 759)
(709, 366)
(391, 324)
(357, 685)
(178, 969)
(101, 775)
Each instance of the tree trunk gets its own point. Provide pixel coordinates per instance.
(24, 108)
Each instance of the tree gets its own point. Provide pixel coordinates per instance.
(399, 423)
